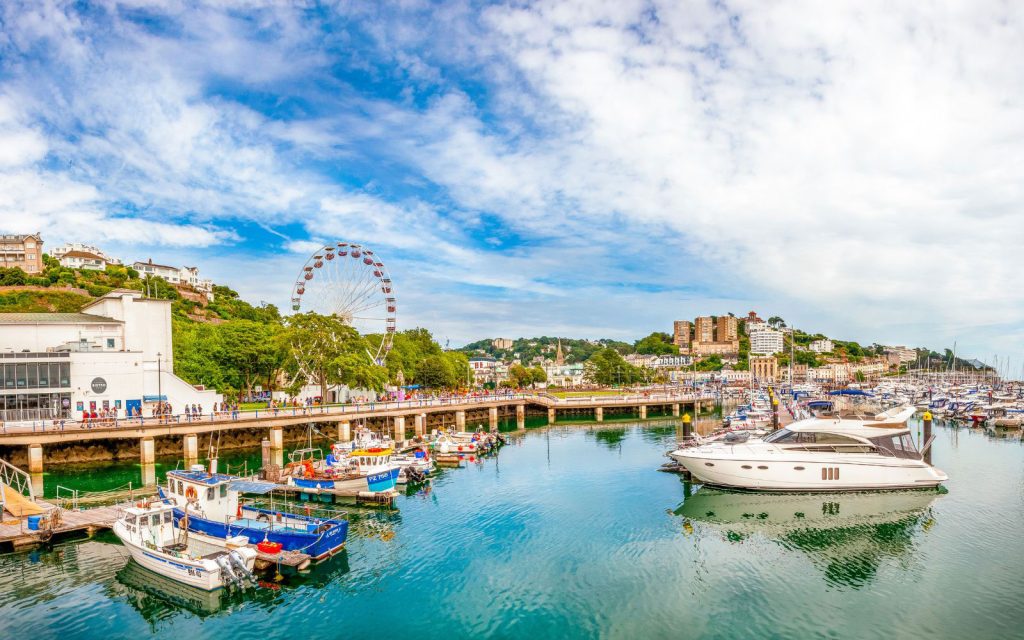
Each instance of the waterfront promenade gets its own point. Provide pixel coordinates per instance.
(401, 419)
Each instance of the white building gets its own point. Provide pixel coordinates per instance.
(149, 268)
(68, 247)
(821, 346)
(565, 375)
(765, 341)
(82, 260)
(671, 362)
(116, 354)
(177, 275)
(484, 369)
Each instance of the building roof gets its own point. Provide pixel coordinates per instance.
(82, 254)
(150, 263)
(55, 318)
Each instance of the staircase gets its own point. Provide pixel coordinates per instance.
(16, 494)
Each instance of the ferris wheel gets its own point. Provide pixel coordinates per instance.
(350, 282)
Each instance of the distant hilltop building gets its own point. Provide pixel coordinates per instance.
(901, 354)
(176, 275)
(710, 336)
(821, 346)
(764, 368)
(77, 249)
(24, 252)
(502, 343)
(765, 341)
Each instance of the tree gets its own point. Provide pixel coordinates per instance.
(776, 321)
(657, 343)
(317, 345)
(520, 376)
(251, 351)
(710, 363)
(435, 372)
(607, 367)
(538, 375)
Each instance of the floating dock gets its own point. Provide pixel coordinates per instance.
(15, 533)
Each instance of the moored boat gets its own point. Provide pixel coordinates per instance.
(214, 512)
(148, 532)
(851, 453)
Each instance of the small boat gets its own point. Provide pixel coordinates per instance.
(148, 532)
(362, 469)
(215, 514)
(854, 452)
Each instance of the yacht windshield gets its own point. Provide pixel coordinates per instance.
(781, 434)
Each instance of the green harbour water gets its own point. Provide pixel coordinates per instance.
(571, 532)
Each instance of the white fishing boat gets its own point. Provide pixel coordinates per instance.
(148, 532)
(850, 452)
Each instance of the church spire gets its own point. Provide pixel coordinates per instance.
(559, 356)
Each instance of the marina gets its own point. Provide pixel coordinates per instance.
(504, 537)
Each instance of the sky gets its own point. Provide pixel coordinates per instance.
(585, 169)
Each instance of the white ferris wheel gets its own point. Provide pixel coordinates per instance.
(350, 282)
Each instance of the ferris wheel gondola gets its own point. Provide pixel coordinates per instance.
(350, 282)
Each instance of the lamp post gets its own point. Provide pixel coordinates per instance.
(159, 381)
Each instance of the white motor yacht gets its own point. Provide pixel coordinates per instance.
(850, 452)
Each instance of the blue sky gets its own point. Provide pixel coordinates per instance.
(575, 168)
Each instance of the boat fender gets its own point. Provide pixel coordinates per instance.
(239, 513)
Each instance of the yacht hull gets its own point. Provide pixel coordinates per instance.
(807, 475)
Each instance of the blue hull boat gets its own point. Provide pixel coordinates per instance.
(216, 496)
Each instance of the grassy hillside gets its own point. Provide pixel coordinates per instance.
(41, 301)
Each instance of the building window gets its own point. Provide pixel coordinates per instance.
(110, 343)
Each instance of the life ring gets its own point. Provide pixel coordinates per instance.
(239, 514)
(190, 494)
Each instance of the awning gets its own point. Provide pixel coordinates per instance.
(850, 392)
(249, 486)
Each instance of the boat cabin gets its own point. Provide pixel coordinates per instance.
(207, 494)
(150, 526)
(894, 443)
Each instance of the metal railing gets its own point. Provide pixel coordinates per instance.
(18, 480)
(229, 416)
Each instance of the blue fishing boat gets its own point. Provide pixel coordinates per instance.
(207, 504)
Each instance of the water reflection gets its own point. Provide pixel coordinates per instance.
(848, 536)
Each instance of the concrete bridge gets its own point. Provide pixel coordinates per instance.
(401, 419)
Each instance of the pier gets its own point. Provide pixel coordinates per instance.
(403, 420)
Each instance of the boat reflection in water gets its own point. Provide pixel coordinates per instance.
(155, 596)
(848, 535)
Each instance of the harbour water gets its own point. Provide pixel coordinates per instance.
(571, 532)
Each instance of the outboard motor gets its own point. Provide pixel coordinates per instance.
(227, 575)
(239, 566)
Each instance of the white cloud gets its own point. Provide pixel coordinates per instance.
(860, 168)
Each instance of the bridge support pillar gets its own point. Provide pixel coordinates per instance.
(147, 451)
(191, 449)
(599, 414)
(520, 416)
(399, 429)
(277, 438)
(492, 417)
(421, 425)
(344, 431)
(460, 420)
(643, 412)
(675, 410)
(551, 415)
(35, 458)
(148, 474)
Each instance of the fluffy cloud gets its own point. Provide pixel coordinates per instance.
(856, 169)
